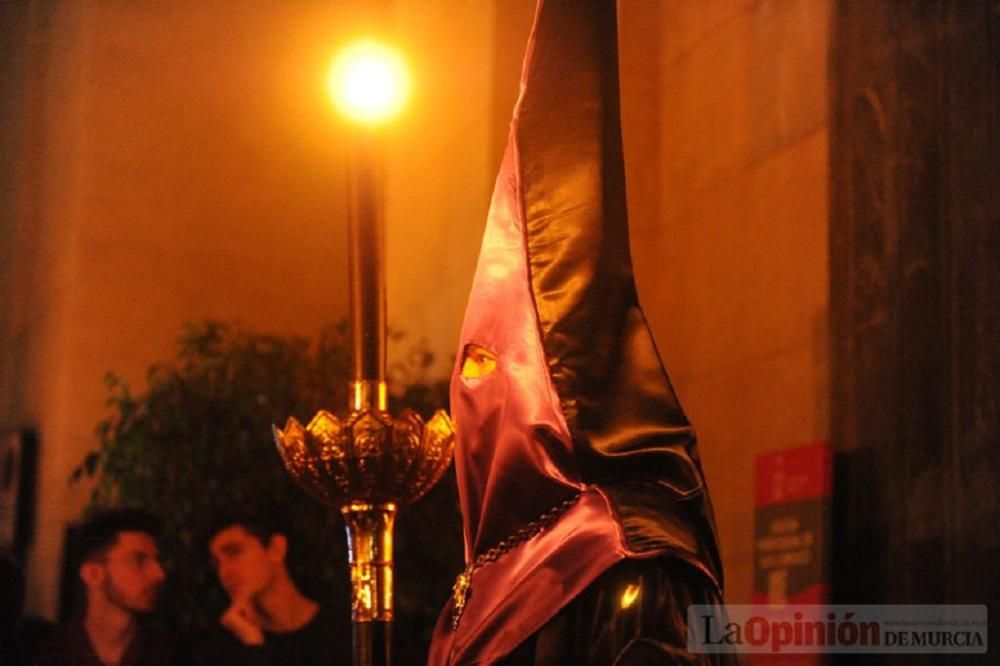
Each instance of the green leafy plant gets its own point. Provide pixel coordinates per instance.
(198, 441)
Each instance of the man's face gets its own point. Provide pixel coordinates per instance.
(132, 572)
(245, 566)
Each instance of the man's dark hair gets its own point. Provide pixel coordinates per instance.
(100, 531)
(259, 520)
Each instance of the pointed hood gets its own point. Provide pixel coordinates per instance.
(561, 401)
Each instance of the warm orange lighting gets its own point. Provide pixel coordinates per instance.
(630, 595)
(369, 82)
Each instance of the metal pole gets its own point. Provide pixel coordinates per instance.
(369, 526)
(369, 462)
(369, 540)
(366, 275)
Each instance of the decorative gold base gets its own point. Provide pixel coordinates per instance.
(369, 457)
(367, 465)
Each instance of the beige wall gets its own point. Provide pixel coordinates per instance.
(724, 108)
(440, 172)
(182, 162)
(179, 161)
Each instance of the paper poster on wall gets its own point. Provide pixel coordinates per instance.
(792, 504)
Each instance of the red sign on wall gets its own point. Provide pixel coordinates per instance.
(792, 498)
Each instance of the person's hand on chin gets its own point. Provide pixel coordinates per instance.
(243, 621)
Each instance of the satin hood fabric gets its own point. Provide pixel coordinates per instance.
(579, 402)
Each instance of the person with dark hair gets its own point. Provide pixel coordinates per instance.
(269, 620)
(119, 566)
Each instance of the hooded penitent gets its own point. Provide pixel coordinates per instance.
(573, 452)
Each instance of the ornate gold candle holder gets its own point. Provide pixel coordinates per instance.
(368, 464)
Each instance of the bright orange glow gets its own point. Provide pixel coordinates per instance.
(630, 595)
(369, 82)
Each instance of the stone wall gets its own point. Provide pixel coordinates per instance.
(725, 122)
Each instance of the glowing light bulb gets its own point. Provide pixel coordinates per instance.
(369, 82)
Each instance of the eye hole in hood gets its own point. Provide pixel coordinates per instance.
(477, 361)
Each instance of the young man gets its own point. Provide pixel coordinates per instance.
(121, 574)
(269, 620)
